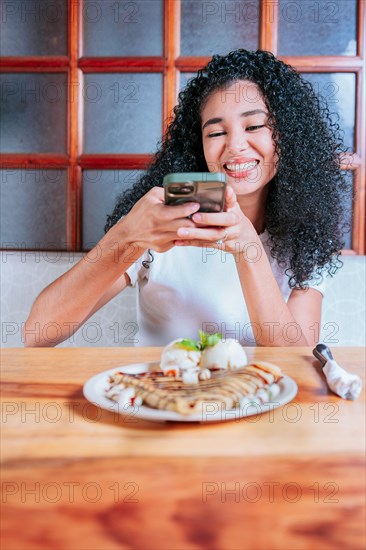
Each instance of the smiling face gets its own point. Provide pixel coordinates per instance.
(236, 139)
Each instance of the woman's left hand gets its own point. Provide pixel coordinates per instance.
(230, 230)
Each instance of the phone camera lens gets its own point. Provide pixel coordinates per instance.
(186, 189)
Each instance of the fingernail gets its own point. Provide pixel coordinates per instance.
(183, 232)
(195, 206)
(197, 217)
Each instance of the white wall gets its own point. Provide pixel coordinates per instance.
(25, 274)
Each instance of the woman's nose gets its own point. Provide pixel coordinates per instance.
(237, 143)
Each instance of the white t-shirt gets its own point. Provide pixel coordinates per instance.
(190, 288)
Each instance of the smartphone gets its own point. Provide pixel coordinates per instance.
(207, 188)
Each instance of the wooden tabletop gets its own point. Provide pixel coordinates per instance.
(75, 476)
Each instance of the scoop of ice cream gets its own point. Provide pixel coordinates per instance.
(224, 355)
(190, 376)
(195, 375)
(175, 357)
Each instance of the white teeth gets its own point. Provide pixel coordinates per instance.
(241, 167)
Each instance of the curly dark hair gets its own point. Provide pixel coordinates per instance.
(304, 215)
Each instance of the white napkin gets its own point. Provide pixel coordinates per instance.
(340, 381)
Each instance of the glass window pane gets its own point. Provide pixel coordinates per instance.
(33, 27)
(317, 28)
(33, 208)
(209, 28)
(123, 112)
(339, 90)
(347, 206)
(33, 112)
(123, 28)
(100, 191)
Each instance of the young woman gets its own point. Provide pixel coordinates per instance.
(255, 271)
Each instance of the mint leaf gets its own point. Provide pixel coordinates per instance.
(206, 340)
(188, 344)
(203, 338)
(214, 339)
(209, 340)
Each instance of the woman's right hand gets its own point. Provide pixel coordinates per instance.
(95, 279)
(152, 224)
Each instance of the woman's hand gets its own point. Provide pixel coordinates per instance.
(231, 227)
(152, 224)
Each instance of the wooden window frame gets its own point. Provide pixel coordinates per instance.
(170, 65)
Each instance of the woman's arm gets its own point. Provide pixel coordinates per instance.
(275, 322)
(278, 323)
(68, 302)
(306, 308)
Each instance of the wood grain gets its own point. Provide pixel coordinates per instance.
(324, 63)
(23, 160)
(269, 23)
(209, 503)
(34, 64)
(109, 161)
(359, 229)
(122, 64)
(172, 22)
(75, 130)
(75, 476)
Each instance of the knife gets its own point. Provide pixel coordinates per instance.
(323, 353)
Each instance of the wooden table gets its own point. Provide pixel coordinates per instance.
(78, 477)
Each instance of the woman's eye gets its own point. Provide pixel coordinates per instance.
(216, 134)
(251, 128)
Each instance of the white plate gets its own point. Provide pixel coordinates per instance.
(95, 388)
